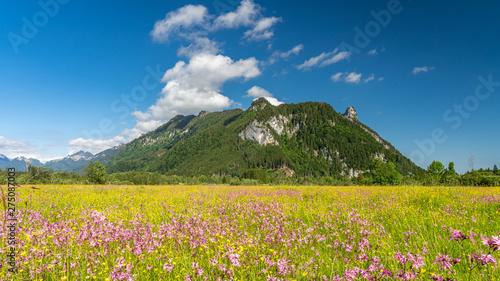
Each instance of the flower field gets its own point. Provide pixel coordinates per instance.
(255, 233)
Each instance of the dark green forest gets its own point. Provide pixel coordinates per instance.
(319, 142)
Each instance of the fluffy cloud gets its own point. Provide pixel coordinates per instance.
(248, 14)
(324, 59)
(94, 146)
(262, 29)
(245, 15)
(199, 45)
(258, 92)
(190, 88)
(13, 149)
(194, 86)
(353, 77)
(192, 20)
(183, 18)
(417, 69)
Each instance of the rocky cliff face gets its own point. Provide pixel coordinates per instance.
(351, 114)
(259, 133)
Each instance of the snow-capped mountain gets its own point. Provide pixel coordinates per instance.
(71, 162)
(18, 163)
(74, 162)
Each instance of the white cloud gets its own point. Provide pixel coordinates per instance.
(294, 51)
(380, 79)
(373, 52)
(336, 58)
(417, 69)
(285, 55)
(370, 78)
(258, 92)
(185, 17)
(324, 59)
(207, 70)
(94, 146)
(199, 45)
(352, 77)
(194, 86)
(245, 15)
(190, 88)
(273, 101)
(13, 149)
(262, 29)
(248, 14)
(337, 77)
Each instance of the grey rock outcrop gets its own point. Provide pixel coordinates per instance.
(259, 133)
(351, 114)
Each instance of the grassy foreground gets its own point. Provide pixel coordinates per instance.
(255, 233)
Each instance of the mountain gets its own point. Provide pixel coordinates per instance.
(19, 163)
(106, 156)
(76, 162)
(308, 138)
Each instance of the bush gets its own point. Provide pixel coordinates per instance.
(235, 181)
(256, 174)
(249, 182)
(490, 181)
(95, 173)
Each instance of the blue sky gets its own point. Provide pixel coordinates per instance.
(89, 75)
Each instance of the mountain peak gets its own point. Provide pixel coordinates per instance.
(82, 153)
(351, 114)
(3, 156)
(85, 155)
(203, 113)
(259, 103)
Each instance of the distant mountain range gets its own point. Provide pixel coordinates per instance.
(19, 163)
(308, 138)
(74, 162)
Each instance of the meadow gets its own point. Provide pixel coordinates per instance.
(255, 233)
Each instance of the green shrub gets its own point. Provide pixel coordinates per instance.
(256, 174)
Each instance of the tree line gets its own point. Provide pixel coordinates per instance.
(380, 173)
